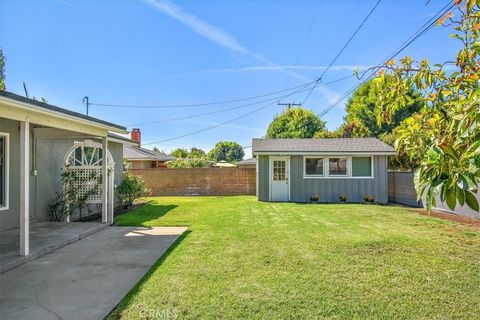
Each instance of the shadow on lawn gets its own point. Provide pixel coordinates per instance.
(146, 213)
(116, 313)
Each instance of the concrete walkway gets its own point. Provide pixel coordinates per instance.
(45, 237)
(86, 279)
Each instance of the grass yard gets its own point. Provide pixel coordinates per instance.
(248, 259)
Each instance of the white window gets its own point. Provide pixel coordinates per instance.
(337, 166)
(4, 168)
(362, 167)
(314, 167)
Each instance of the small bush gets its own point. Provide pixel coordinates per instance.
(369, 198)
(314, 198)
(131, 188)
(343, 198)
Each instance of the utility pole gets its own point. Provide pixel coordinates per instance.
(86, 103)
(289, 104)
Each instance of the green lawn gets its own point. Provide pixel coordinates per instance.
(248, 259)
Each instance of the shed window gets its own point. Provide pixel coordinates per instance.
(361, 166)
(314, 166)
(337, 166)
(3, 170)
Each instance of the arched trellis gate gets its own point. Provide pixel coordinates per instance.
(86, 160)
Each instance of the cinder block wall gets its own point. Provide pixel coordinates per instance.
(199, 181)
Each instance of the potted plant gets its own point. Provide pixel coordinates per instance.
(314, 198)
(343, 198)
(369, 198)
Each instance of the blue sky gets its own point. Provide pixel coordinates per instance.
(154, 52)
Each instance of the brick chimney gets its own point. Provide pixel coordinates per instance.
(136, 135)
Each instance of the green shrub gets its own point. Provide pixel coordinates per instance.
(314, 198)
(369, 198)
(132, 187)
(343, 198)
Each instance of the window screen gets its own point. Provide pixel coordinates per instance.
(2, 170)
(337, 166)
(314, 166)
(361, 166)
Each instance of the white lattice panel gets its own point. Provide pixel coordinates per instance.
(88, 179)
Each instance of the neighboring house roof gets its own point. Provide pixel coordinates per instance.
(38, 105)
(328, 145)
(251, 161)
(139, 153)
(224, 164)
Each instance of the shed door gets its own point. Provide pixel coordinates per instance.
(279, 173)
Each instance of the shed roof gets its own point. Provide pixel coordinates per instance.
(327, 145)
(247, 161)
(139, 153)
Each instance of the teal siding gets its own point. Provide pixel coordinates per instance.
(330, 189)
(263, 178)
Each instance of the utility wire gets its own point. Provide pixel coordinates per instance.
(421, 31)
(220, 124)
(304, 88)
(343, 48)
(202, 104)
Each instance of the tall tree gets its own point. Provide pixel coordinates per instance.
(2, 70)
(295, 123)
(445, 134)
(180, 153)
(229, 151)
(361, 109)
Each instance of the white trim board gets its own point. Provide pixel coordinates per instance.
(6, 206)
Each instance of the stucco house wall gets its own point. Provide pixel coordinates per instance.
(47, 161)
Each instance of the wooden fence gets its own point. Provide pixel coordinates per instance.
(199, 181)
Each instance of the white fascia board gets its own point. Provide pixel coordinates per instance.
(52, 113)
(329, 153)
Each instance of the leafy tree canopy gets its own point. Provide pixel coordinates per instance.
(229, 151)
(180, 153)
(2, 70)
(361, 109)
(295, 123)
(446, 133)
(184, 153)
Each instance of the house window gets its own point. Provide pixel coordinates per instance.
(3, 171)
(337, 166)
(313, 166)
(361, 166)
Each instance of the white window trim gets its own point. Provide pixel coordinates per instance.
(347, 164)
(307, 176)
(7, 171)
(326, 171)
(371, 167)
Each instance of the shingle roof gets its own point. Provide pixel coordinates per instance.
(247, 161)
(329, 145)
(138, 153)
(50, 107)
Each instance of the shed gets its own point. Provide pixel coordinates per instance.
(295, 169)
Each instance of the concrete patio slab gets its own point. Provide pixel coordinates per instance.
(85, 279)
(45, 237)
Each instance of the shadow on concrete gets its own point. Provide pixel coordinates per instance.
(130, 295)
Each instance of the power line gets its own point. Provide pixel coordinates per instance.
(421, 31)
(201, 104)
(219, 124)
(344, 47)
(302, 89)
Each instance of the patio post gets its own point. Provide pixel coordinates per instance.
(104, 180)
(24, 188)
(111, 201)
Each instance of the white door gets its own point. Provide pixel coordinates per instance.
(279, 173)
